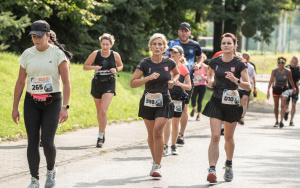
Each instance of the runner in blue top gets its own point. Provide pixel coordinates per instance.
(191, 50)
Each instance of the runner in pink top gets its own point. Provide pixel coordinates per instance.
(200, 88)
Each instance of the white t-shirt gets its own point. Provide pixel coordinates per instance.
(42, 69)
(251, 74)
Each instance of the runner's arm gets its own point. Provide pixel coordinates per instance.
(64, 73)
(137, 80)
(187, 85)
(87, 64)
(119, 63)
(19, 87)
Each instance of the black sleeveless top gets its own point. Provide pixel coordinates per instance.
(106, 63)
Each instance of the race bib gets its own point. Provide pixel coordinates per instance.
(41, 84)
(153, 100)
(230, 97)
(197, 78)
(177, 106)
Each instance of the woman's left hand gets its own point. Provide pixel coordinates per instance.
(113, 70)
(231, 77)
(63, 116)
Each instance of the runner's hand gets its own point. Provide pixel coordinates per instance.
(195, 67)
(230, 77)
(16, 116)
(97, 67)
(113, 70)
(63, 116)
(254, 92)
(171, 84)
(209, 84)
(153, 76)
(268, 95)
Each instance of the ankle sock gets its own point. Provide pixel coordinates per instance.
(101, 135)
(228, 162)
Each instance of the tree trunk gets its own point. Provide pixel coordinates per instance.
(218, 31)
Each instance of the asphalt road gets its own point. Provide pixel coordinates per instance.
(264, 157)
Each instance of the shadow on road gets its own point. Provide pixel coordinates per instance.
(115, 182)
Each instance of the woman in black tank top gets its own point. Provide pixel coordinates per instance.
(106, 64)
(279, 78)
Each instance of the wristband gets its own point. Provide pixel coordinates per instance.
(294, 89)
(117, 69)
(268, 91)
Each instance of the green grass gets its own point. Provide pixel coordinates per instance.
(265, 64)
(82, 112)
(261, 97)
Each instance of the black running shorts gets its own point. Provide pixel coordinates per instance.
(244, 92)
(151, 113)
(229, 113)
(100, 88)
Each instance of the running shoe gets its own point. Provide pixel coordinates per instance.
(281, 124)
(212, 177)
(153, 165)
(174, 150)
(34, 183)
(292, 124)
(228, 176)
(198, 118)
(165, 150)
(156, 171)
(192, 113)
(50, 179)
(286, 116)
(100, 142)
(222, 131)
(276, 124)
(180, 140)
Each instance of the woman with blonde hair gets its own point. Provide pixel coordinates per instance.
(156, 107)
(106, 63)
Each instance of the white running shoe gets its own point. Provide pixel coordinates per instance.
(156, 171)
(165, 150)
(174, 150)
(34, 183)
(153, 165)
(50, 181)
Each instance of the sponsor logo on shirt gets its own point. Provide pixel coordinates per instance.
(232, 69)
(166, 68)
(50, 61)
(217, 66)
(191, 51)
(149, 70)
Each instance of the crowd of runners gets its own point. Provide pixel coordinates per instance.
(173, 75)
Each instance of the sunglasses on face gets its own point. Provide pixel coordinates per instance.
(281, 61)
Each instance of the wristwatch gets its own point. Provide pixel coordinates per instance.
(66, 106)
(239, 81)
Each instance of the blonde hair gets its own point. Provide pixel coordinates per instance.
(158, 36)
(107, 36)
(204, 57)
(183, 60)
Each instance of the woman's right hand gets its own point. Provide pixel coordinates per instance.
(97, 67)
(153, 76)
(268, 95)
(16, 116)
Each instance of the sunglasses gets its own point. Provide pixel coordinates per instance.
(281, 61)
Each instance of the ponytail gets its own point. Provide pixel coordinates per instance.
(67, 53)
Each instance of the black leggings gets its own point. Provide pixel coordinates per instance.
(46, 118)
(201, 89)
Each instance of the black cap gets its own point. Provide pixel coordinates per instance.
(185, 25)
(177, 49)
(39, 28)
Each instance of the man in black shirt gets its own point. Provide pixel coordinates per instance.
(296, 76)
